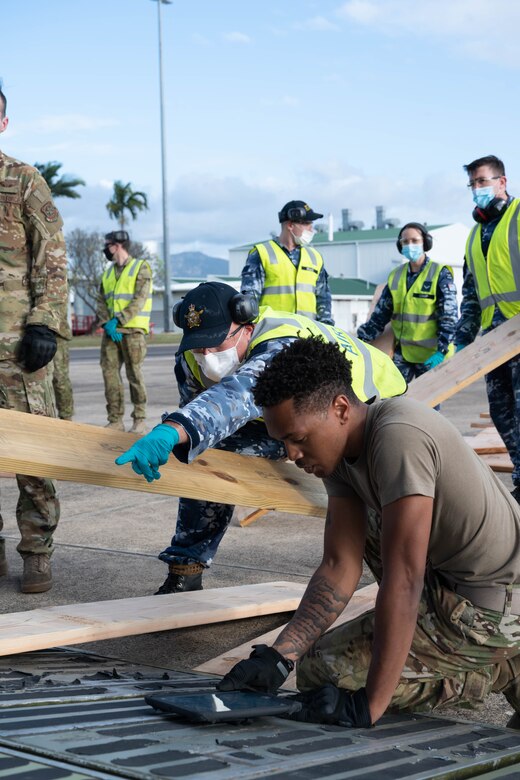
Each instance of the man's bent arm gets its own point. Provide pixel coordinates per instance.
(333, 583)
(406, 526)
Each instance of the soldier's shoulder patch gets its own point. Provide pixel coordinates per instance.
(193, 316)
(50, 212)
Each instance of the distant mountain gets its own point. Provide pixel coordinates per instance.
(197, 264)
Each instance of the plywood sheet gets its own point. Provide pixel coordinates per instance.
(452, 375)
(362, 601)
(36, 629)
(499, 462)
(45, 447)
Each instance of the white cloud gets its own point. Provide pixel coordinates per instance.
(237, 37)
(70, 123)
(317, 24)
(482, 29)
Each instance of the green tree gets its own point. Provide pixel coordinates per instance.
(124, 199)
(60, 186)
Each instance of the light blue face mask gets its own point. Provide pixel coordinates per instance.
(412, 251)
(483, 196)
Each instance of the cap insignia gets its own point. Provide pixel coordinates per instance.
(193, 317)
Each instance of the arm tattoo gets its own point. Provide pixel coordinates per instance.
(321, 605)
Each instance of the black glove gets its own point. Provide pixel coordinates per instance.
(264, 670)
(37, 348)
(334, 705)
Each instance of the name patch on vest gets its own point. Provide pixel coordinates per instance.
(424, 295)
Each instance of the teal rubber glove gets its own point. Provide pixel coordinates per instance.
(110, 329)
(434, 360)
(150, 452)
(459, 347)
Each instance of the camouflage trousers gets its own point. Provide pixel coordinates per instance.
(460, 653)
(61, 380)
(38, 507)
(202, 524)
(503, 390)
(131, 352)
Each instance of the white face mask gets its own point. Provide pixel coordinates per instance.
(305, 238)
(216, 365)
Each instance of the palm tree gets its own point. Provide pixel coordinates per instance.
(125, 199)
(60, 186)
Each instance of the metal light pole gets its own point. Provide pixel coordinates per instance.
(166, 235)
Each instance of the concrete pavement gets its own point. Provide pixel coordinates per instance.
(108, 539)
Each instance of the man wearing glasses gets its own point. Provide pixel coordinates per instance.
(491, 291)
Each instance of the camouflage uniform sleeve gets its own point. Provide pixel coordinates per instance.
(323, 299)
(447, 310)
(379, 318)
(102, 313)
(48, 271)
(470, 319)
(141, 293)
(225, 407)
(253, 276)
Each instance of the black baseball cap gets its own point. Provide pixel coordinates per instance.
(204, 315)
(116, 237)
(298, 211)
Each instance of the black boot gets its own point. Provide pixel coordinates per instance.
(182, 577)
(514, 722)
(516, 493)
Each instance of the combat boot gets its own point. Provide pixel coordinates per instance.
(182, 577)
(116, 425)
(37, 574)
(138, 426)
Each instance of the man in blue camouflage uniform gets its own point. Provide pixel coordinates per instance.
(491, 292)
(422, 341)
(225, 346)
(304, 289)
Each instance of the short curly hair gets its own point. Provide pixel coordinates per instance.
(310, 371)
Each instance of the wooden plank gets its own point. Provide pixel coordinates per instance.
(362, 601)
(486, 353)
(37, 629)
(485, 415)
(60, 449)
(252, 517)
(487, 442)
(385, 342)
(481, 424)
(499, 462)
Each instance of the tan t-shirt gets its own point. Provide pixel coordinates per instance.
(410, 449)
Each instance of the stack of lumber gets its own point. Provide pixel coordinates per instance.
(490, 447)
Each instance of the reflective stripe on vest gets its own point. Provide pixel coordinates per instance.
(119, 292)
(497, 280)
(286, 287)
(373, 372)
(414, 318)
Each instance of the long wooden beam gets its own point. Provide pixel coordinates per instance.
(362, 601)
(45, 447)
(471, 363)
(38, 629)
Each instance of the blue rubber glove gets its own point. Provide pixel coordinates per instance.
(434, 360)
(150, 452)
(459, 347)
(110, 329)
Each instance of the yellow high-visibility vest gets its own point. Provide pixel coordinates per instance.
(373, 372)
(286, 287)
(119, 292)
(497, 279)
(414, 319)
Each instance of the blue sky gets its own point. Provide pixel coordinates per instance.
(343, 104)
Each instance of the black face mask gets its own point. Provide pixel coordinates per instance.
(108, 254)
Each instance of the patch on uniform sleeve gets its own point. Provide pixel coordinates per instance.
(50, 212)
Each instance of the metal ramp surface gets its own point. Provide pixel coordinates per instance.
(67, 715)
